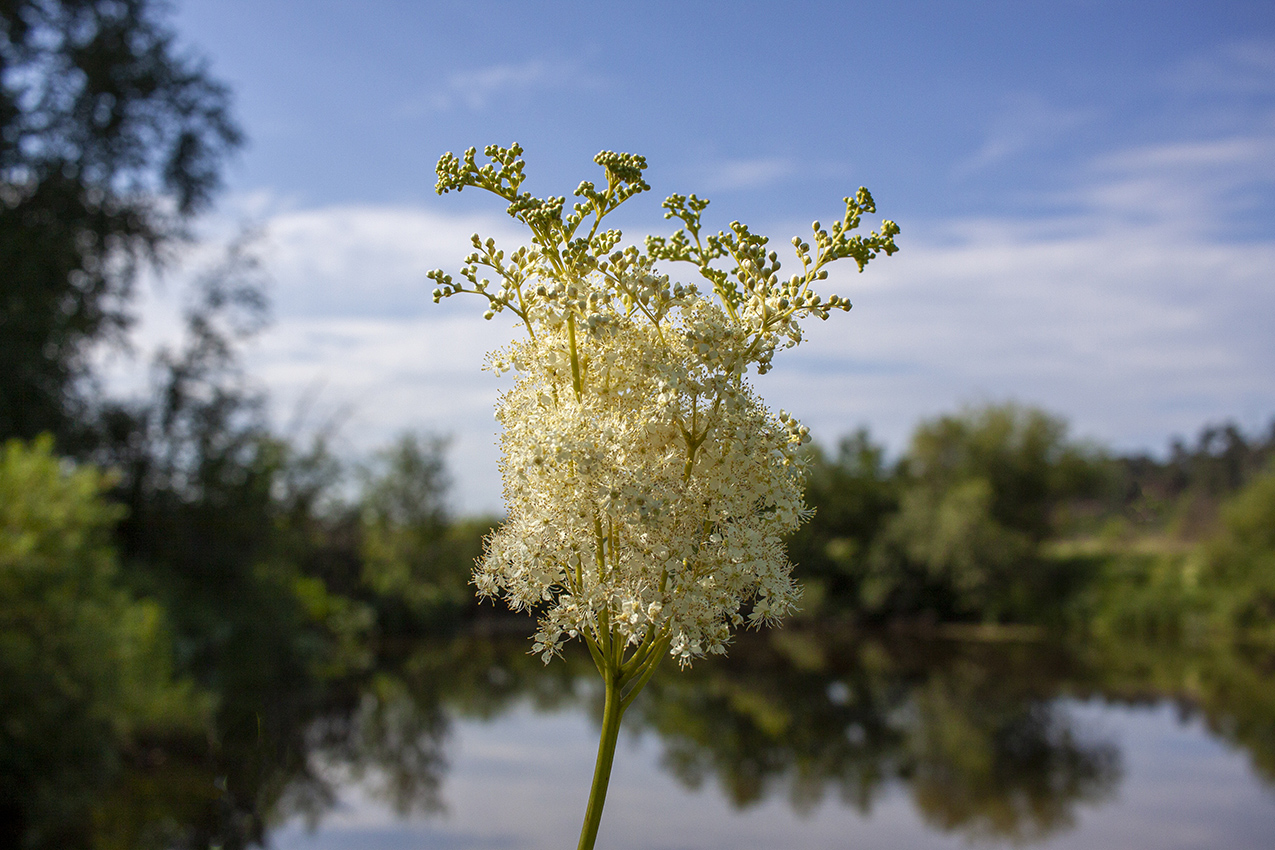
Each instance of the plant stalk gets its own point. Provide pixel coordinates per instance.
(611, 716)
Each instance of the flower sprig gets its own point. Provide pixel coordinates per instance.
(649, 489)
(630, 383)
(751, 290)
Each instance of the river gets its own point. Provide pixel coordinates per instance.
(801, 738)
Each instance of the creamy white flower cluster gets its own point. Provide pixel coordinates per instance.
(655, 501)
(649, 489)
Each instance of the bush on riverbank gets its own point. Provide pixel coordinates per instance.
(86, 667)
(1220, 587)
(994, 516)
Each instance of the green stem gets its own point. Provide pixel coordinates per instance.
(652, 661)
(577, 382)
(611, 715)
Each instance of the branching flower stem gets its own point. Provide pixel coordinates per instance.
(577, 383)
(649, 489)
(622, 683)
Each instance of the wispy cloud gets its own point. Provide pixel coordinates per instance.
(1134, 313)
(1026, 122)
(1242, 68)
(368, 260)
(1185, 186)
(732, 174)
(477, 89)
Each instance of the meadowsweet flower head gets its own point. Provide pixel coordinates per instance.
(649, 489)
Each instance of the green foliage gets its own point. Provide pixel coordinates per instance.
(945, 546)
(86, 668)
(1241, 560)
(1179, 495)
(233, 529)
(853, 494)
(1221, 589)
(1022, 453)
(110, 137)
(416, 558)
(995, 515)
(1142, 594)
(982, 493)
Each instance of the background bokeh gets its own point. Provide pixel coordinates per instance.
(1086, 190)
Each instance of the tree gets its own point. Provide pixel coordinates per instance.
(85, 667)
(978, 496)
(110, 139)
(1241, 560)
(225, 518)
(853, 494)
(410, 553)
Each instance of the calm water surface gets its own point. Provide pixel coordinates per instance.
(801, 738)
(806, 740)
(519, 781)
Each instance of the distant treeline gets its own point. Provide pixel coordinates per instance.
(993, 516)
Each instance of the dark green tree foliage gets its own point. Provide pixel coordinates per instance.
(979, 493)
(405, 520)
(85, 669)
(1186, 488)
(853, 494)
(1022, 453)
(224, 518)
(416, 559)
(109, 139)
(1222, 461)
(240, 536)
(1241, 561)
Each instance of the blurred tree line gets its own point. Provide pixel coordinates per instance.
(994, 516)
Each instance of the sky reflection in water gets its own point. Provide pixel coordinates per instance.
(796, 742)
(511, 784)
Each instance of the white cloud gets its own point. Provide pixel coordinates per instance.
(732, 174)
(365, 260)
(1133, 314)
(1027, 121)
(478, 88)
(1185, 186)
(1241, 68)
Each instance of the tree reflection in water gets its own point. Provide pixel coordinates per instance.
(980, 735)
(975, 733)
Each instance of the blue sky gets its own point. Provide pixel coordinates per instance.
(1086, 191)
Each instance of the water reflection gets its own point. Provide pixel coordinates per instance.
(983, 737)
(977, 736)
